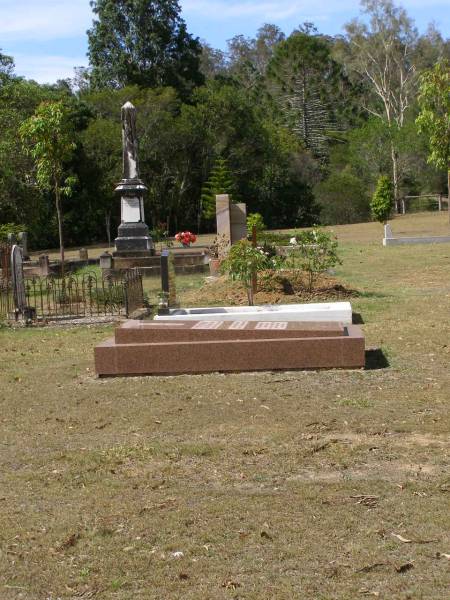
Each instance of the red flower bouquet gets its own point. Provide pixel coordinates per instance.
(186, 238)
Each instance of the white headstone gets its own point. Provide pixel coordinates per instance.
(388, 231)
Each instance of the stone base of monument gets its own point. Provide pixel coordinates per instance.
(338, 312)
(134, 240)
(185, 347)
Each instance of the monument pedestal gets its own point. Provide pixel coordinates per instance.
(134, 240)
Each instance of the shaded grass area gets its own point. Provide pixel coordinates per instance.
(250, 486)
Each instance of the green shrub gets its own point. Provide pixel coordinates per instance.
(383, 200)
(244, 261)
(255, 220)
(316, 253)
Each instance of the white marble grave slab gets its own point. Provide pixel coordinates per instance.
(331, 312)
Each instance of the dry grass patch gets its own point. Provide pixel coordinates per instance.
(325, 485)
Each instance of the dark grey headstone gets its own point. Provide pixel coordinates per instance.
(18, 279)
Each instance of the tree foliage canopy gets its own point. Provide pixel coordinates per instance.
(142, 42)
(434, 117)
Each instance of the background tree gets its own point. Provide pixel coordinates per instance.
(434, 117)
(342, 198)
(6, 67)
(220, 181)
(48, 136)
(145, 43)
(382, 200)
(382, 53)
(305, 76)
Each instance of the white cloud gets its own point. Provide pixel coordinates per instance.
(43, 19)
(47, 69)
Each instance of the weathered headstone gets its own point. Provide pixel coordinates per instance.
(388, 231)
(23, 241)
(168, 278)
(223, 216)
(134, 238)
(84, 255)
(44, 265)
(18, 280)
(238, 218)
(231, 219)
(105, 261)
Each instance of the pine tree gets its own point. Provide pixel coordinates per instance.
(220, 182)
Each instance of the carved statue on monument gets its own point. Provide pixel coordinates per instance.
(134, 238)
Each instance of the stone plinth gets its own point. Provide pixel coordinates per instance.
(166, 348)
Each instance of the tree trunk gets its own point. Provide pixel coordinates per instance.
(60, 226)
(251, 301)
(394, 157)
(448, 183)
(108, 227)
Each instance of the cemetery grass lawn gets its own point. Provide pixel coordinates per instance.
(310, 485)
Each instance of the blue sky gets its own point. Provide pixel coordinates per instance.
(48, 37)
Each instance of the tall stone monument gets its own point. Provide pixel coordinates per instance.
(231, 219)
(134, 238)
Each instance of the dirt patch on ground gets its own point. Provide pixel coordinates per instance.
(280, 287)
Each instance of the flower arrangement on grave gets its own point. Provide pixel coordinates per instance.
(186, 238)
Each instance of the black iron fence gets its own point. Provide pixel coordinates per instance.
(86, 295)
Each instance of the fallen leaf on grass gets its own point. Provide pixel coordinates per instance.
(404, 568)
(70, 541)
(231, 585)
(100, 427)
(370, 568)
(405, 541)
(367, 500)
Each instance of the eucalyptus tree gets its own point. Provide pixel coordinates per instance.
(6, 66)
(434, 117)
(249, 58)
(383, 54)
(145, 43)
